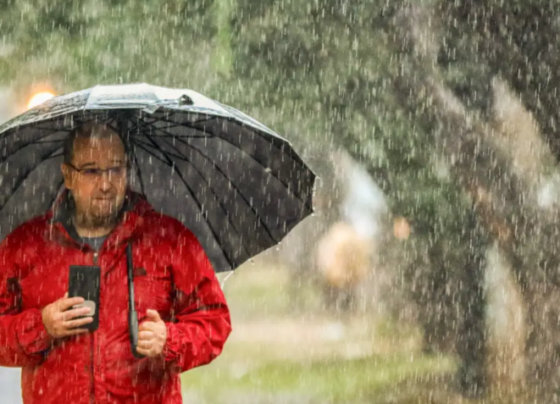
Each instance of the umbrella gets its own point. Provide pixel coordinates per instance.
(237, 185)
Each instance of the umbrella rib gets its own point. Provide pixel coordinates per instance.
(175, 124)
(76, 115)
(211, 190)
(4, 157)
(209, 159)
(138, 172)
(47, 128)
(261, 164)
(189, 137)
(237, 190)
(183, 157)
(150, 152)
(49, 141)
(44, 157)
(180, 138)
(258, 133)
(193, 196)
(177, 156)
(165, 118)
(55, 156)
(167, 134)
(53, 199)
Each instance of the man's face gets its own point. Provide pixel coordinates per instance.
(97, 176)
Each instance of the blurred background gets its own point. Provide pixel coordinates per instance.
(430, 270)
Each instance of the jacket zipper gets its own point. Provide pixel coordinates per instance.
(92, 354)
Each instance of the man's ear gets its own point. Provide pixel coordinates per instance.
(67, 174)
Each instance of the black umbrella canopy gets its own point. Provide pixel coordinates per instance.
(235, 183)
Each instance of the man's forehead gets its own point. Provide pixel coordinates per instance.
(109, 146)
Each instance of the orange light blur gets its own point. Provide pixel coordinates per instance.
(401, 228)
(39, 98)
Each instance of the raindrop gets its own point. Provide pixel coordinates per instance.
(223, 283)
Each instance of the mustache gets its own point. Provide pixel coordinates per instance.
(104, 196)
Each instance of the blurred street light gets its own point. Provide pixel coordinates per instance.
(39, 98)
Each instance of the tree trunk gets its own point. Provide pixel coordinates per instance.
(504, 204)
(506, 321)
(471, 330)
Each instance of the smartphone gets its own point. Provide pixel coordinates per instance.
(84, 282)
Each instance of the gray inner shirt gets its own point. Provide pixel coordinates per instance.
(94, 242)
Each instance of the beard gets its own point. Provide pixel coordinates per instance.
(100, 214)
(103, 220)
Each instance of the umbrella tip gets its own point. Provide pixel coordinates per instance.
(185, 100)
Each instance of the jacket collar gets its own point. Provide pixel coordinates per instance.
(134, 207)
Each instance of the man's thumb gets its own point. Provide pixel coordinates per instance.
(153, 315)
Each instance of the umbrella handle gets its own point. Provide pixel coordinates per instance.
(132, 314)
(133, 325)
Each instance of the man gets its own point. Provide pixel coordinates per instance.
(183, 316)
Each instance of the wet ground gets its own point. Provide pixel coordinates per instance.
(277, 356)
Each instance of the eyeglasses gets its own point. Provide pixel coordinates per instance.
(94, 173)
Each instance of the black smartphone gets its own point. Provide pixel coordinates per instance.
(84, 282)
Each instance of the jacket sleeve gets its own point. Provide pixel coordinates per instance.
(23, 336)
(202, 321)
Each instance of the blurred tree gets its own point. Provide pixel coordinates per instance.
(81, 44)
(516, 42)
(504, 167)
(331, 63)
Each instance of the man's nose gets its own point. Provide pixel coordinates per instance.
(105, 182)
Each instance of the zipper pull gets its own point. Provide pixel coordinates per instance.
(95, 258)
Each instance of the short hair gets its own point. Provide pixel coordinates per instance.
(84, 131)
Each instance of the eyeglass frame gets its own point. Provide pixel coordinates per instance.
(100, 171)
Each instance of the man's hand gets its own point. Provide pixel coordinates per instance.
(152, 335)
(61, 323)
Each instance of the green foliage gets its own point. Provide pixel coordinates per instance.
(333, 68)
(335, 61)
(74, 45)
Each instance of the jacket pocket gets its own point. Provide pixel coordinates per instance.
(152, 290)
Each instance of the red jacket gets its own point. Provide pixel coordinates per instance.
(172, 274)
